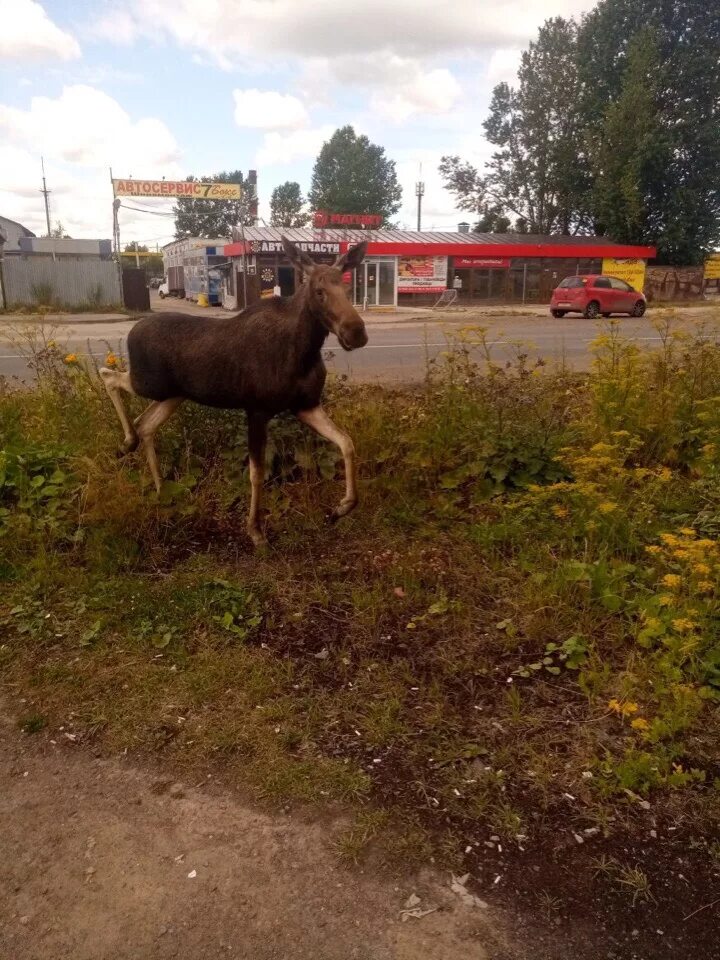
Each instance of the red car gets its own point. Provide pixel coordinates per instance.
(594, 295)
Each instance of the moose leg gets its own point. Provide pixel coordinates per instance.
(115, 381)
(147, 426)
(257, 438)
(321, 423)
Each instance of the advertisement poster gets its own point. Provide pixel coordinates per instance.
(177, 188)
(422, 274)
(631, 271)
(712, 267)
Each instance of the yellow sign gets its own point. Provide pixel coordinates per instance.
(177, 188)
(712, 267)
(631, 271)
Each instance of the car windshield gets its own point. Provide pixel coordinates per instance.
(572, 282)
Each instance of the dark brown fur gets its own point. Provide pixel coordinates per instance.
(264, 360)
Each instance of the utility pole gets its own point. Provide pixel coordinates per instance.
(46, 193)
(419, 193)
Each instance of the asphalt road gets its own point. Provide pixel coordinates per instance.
(399, 349)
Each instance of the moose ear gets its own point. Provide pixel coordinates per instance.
(353, 258)
(297, 257)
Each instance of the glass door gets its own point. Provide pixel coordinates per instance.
(375, 280)
(386, 283)
(371, 283)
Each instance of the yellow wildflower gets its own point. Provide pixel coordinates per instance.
(71, 358)
(682, 624)
(111, 360)
(559, 511)
(701, 568)
(51, 344)
(664, 475)
(669, 539)
(687, 531)
(671, 580)
(639, 723)
(653, 549)
(624, 709)
(705, 586)
(607, 506)
(666, 600)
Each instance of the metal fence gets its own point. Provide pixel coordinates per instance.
(41, 281)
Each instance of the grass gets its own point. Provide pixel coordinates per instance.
(524, 608)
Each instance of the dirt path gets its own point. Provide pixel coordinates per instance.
(100, 859)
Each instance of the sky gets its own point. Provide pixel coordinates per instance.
(152, 89)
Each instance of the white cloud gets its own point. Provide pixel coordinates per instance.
(80, 134)
(117, 25)
(399, 87)
(27, 33)
(284, 148)
(257, 28)
(503, 65)
(86, 126)
(409, 91)
(268, 110)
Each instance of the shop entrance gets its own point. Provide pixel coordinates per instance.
(375, 280)
(286, 281)
(483, 284)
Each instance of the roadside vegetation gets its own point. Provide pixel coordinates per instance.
(513, 644)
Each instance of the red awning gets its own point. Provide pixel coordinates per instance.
(514, 250)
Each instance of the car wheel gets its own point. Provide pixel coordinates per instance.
(639, 309)
(592, 310)
(558, 313)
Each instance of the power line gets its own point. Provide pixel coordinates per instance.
(155, 213)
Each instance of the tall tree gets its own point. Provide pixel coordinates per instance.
(211, 218)
(492, 220)
(539, 172)
(353, 175)
(58, 232)
(287, 206)
(680, 189)
(630, 148)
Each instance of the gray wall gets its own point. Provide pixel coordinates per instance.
(72, 283)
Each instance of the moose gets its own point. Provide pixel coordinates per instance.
(265, 360)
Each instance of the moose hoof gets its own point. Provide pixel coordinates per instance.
(129, 446)
(258, 538)
(342, 510)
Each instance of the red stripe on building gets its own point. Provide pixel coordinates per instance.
(514, 250)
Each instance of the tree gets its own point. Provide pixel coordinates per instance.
(625, 167)
(539, 172)
(287, 206)
(352, 175)
(211, 218)
(58, 232)
(492, 220)
(680, 188)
